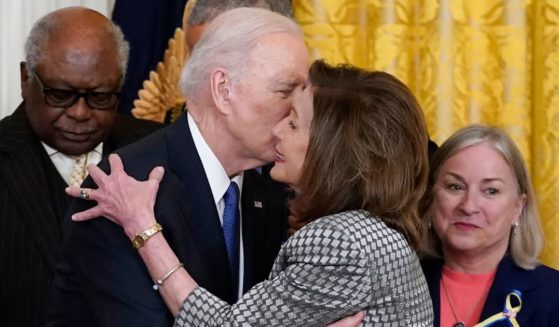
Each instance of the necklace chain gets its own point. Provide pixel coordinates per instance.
(461, 323)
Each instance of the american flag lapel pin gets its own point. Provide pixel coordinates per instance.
(257, 204)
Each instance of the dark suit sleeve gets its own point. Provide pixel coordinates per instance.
(102, 280)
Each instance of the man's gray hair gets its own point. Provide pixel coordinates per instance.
(47, 25)
(204, 11)
(228, 42)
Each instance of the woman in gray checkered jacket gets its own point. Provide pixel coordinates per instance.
(354, 148)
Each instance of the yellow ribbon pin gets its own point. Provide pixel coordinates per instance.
(509, 312)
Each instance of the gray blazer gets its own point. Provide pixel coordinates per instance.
(333, 267)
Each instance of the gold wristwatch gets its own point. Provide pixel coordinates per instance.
(141, 238)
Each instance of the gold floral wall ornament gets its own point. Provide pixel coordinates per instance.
(161, 98)
(468, 61)
(161, 91)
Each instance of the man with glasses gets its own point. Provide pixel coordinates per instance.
(61, 98)
(75, 64)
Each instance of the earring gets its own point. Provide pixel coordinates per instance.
(515, 228)
(430, 223)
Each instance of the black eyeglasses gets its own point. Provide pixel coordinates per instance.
(60, 98)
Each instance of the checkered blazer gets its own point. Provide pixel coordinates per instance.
(331, 268)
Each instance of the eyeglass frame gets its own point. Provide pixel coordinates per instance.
(77, 94)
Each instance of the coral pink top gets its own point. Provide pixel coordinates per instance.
(467, 295)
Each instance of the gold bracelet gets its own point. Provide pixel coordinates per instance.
(162, 280)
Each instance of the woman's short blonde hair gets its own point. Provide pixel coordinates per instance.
(527, 240)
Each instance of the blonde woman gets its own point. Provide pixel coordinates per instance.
(485, 236)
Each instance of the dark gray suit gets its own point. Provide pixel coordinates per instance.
(103, 278)
(32, 204)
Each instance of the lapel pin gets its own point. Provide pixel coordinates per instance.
(257, 204)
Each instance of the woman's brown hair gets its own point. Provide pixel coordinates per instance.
(367, 150)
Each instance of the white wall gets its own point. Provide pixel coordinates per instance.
(16, 19)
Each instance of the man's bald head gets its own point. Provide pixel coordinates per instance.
(74, 26)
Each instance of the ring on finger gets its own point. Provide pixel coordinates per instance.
(85, 193)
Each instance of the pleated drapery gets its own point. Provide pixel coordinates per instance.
(468, 61)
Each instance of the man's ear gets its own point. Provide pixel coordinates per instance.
(220, 83)
(24, 78)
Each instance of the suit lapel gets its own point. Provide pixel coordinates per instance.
(509, 277)
(254, 207)
(23, 172)
(59, 200)
(433, 268)
(195, 200)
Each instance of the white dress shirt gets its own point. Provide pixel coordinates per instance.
(64, 163)
(219, 182)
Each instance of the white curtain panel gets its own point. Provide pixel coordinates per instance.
(16, 19)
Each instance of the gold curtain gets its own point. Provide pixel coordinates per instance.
(467, 61)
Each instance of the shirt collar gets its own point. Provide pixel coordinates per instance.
(215, 173)
(51, 150)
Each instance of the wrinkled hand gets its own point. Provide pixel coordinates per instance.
(351, 321)
(121, 198)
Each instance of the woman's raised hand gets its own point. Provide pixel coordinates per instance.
(120, 198)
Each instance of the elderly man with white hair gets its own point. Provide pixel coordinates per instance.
(238, 84)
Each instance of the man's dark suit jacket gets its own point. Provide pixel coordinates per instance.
(539, 288)
(32, 204)
(104, 282)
